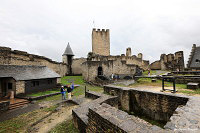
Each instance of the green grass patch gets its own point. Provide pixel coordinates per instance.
(51, 109)
(65, 127)
(78, 80)
(44, 92)
(21, 123)
(11, 126)
(152, 72)
(190, 92)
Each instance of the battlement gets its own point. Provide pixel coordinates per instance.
(100, 30)
(5, 48)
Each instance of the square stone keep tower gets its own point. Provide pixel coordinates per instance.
(101, 42)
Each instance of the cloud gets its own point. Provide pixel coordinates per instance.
(151, 27)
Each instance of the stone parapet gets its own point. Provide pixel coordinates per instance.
(179, 112)
(105, 118)
(79, 114)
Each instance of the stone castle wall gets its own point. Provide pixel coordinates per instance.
(15, 57)
(169, 62)
(101, 42)
(161, 106)
(90, 68)
(129, 60)
(76, 66)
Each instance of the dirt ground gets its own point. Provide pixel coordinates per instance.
(158, 89)
(64, 113)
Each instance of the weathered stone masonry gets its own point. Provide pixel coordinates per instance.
(99, 116)
(180, 112)
(15, 57)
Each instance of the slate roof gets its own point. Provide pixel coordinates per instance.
(27, 72)
(196, 56)
(68, 50)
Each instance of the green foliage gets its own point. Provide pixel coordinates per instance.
(65, 127)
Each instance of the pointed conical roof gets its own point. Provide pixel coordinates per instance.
(68, 50)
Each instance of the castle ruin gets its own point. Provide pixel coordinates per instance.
(101, 63)
(171, 62)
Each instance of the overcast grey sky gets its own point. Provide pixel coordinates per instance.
(151, 27)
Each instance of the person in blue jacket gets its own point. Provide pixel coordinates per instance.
(63, 92)
(72, 87)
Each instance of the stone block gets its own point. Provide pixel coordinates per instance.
(153, 80)
(192, 86)
(4, 106)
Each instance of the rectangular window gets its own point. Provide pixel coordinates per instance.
(10, 86)
(50, 81)
(35, 83)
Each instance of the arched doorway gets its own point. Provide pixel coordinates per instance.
(100, 71)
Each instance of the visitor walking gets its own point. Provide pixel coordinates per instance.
(149, 72)
(72, 88)
(63, 92)
(112, 76)
(69, 90)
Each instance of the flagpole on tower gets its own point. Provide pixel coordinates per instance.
(93, 24)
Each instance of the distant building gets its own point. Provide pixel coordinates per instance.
(68, 58)
(194, 58)
(100, 63)
(26, 79)
(172, 62)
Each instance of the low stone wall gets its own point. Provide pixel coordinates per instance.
(80, 114)
(186, 72)
(186, 80)
(4, 106)
(106, 119)
(92, 95)
(180, 112)
(157, 106)
(123, 96)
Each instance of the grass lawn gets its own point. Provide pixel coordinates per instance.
(181, 88)
(44, 92)
(153, 72)
(65, 127)
(24, 121)
(78, 80)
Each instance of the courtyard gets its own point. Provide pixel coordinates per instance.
(53, 115)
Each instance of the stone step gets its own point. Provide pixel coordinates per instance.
(18, 104)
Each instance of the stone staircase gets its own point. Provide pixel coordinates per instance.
(17, 103)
